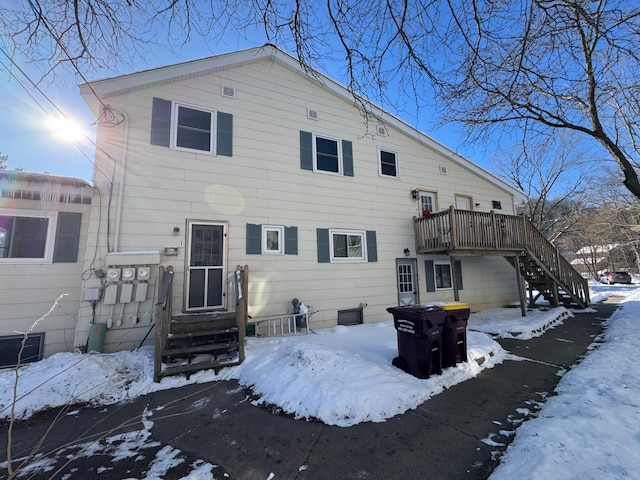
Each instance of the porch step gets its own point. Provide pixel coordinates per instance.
(196, 367)
(181, 351)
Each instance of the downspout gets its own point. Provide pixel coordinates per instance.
(123, 167)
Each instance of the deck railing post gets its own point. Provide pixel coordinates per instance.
(453, 227)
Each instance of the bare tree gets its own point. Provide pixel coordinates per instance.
(532, 65)
(556, 176)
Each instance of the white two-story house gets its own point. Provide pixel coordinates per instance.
(247, 159)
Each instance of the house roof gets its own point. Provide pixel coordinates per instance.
(29, 177)
(172, 73)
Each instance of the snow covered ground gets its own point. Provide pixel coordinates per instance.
(589, 430)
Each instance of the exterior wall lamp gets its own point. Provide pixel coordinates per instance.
(415, 194)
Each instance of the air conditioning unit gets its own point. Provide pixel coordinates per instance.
(113, 274)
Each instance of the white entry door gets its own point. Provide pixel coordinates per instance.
(205, 282)
(406, 269)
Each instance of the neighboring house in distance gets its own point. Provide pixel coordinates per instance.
(593, 260)
(246, 159)
(43, 233)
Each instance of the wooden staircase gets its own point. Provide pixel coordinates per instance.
(192, 342)
(466, 233)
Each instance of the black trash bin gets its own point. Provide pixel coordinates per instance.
(419, 339)
(454, 334)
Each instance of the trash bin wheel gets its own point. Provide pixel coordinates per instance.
(400, 363)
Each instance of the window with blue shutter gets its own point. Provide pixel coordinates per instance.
(324, 253)
(67, 237)
(325, 154)
(438, 275)
(197, 129)
(224, 144)
(261, 239)
(161, 122)
(254, 239)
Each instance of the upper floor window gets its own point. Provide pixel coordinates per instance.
(187, 127)
(388, 163)
(321, 153)
(327, 154)
(193, 128)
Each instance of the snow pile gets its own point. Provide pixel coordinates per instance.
(590, 429)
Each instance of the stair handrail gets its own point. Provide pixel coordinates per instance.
(162, 317)
(554, 264)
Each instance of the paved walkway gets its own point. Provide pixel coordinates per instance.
(455, 435)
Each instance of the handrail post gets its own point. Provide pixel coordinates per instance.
(242, 284)
(453, 227)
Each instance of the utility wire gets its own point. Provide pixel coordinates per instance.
(65, 116)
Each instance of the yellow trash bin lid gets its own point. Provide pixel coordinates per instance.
(453, 306)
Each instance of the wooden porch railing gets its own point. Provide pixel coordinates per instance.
(162, 316)
(463, 232)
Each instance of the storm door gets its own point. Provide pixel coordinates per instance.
(205, 282)
(406, 269)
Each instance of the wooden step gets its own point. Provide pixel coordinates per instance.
(177, 351)
(196, 367)
(202, 333)
(197, 323)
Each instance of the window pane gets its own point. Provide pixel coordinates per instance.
(23, 237)
(340, 246)
(443, 276)
(355, 246)
(273, 240)
(388, 163)
(327, 155)
(194, 129)
(206, 245)
(427, 203)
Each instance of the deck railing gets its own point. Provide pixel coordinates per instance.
(466, 232)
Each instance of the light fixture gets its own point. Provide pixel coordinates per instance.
(407, 252)
(415, 194)
(477, 204)
(176, 230)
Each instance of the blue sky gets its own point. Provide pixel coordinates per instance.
(32, 146)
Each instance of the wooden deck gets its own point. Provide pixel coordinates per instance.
(466, 233)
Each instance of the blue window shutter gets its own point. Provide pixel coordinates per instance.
(324, 255)
(67, 237)
(430, 275)
(372, 246)
(290, 240)
(254, 239)
(160, 122)
(458, 266)
(224, 140)
(306, 150)
(347, 158)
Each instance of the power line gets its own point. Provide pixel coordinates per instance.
(55, 106)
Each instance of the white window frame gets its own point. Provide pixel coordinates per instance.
(435, 274)
(338, 141)
(175, 107)
(388, 150)
(360, 233)
(49, 242)
(434, 201)
(272, 228)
